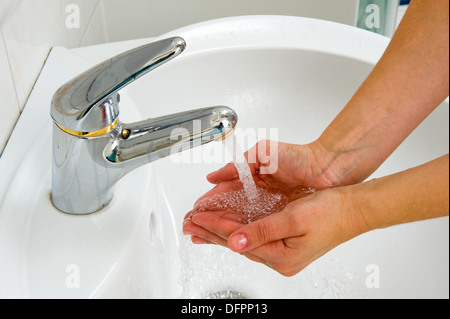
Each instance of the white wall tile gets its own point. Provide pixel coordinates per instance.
(26, 37)
(133, 19)
(9, 107)
(32, 28)
(7, 7)
(75, 36)
(36, 26)
(96, 30)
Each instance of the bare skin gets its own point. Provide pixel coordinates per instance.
(372, 125)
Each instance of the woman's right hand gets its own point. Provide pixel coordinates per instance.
(286, 167)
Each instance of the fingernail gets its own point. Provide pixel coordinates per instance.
(238, 241)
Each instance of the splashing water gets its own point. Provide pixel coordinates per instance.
(245, 174)
(267, 202)
(202, 273)
(250, 203)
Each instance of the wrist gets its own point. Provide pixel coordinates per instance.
(400, 198)
(353, 206)
(337, 165)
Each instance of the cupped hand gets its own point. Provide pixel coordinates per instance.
(287, 167)
(287, 241)
(278, 168)
(275, 240)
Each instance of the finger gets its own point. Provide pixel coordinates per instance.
(225, 215)
(273, 261)
(254, 258)
(267, 157)
(273, 254)
(223, 227)
(200, 241)
(196, 231)
(218, 224)
(228, 172)
(273, 228)
(187, 216)
(222, 188)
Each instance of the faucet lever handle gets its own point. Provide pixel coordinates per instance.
(88, 103)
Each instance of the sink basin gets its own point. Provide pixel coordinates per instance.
(291, 74)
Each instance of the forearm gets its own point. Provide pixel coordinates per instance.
(413, 195)
(408, 83)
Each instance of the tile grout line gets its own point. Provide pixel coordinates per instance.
(105, 28)
(15, 94)
(28, 97)
(89, 24)
(11, 72)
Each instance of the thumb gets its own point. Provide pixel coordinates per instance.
(226, 173)
(229, 171)
(272, 228)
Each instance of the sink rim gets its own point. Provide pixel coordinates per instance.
(233, 32)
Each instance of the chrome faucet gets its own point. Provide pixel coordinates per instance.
(93, 149)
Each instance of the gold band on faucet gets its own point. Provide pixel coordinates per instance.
(101, 132)
(226, 135)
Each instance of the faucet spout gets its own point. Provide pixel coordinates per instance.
(86, 169)
(93, 149)
(153, 139)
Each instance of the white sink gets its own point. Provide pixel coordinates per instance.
(292, 74)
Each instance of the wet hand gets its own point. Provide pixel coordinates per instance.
(287, 241)
(295, 171)
(286, 167)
